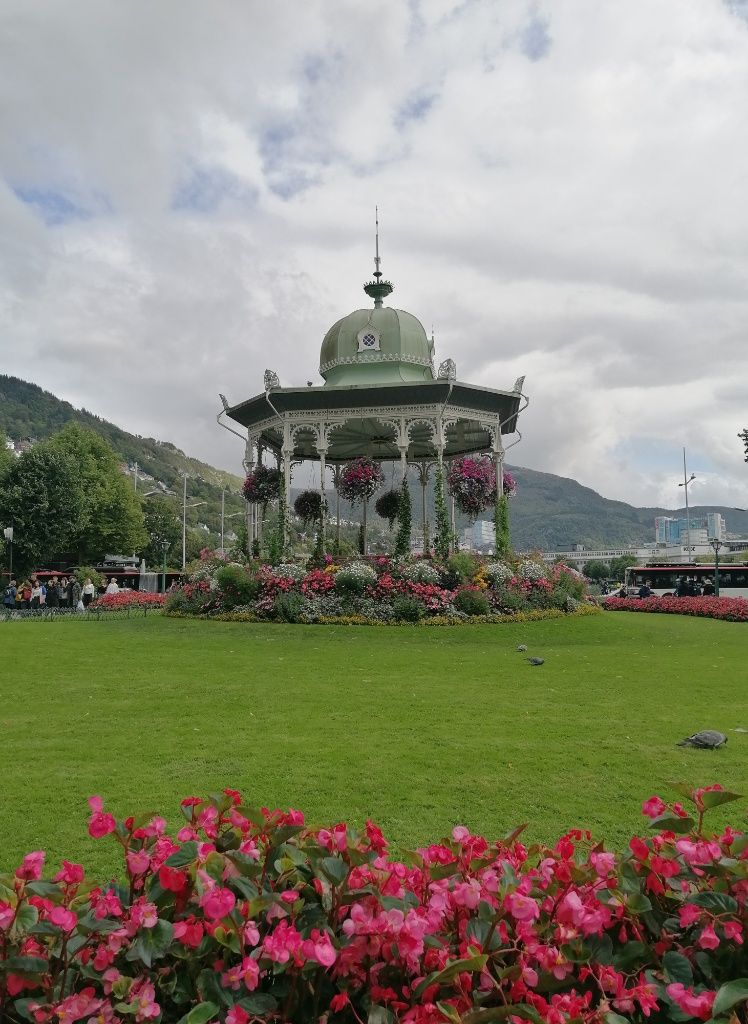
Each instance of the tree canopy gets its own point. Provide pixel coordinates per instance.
(596, 569)
(162, 524)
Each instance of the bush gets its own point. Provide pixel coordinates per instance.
(128, 599)
(87, 572)
(472, 601)
(464, 565)
(289, 571)
(250, 915)
(497, 574)
(288, 607)
(237, 585)
(408, 609)
(421, 572)
(354, 578)
(733, 609)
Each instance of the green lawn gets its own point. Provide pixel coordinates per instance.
(417, 727)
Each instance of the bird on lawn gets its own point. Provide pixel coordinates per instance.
(706, 739)
(536, 661)
(522, 647)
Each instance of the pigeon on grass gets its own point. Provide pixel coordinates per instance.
(706, 739)
(536, 661)
(522, 647)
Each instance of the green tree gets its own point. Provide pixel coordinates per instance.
(743, 435)
(6, 459)
(402, 541)
(618, 566)
(112, 519)
(41, 497)
(596, 570)
(162, 523)
(443, 537)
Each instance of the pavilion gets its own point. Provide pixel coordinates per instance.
(380, 398)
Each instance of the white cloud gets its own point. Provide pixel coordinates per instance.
(187, 192)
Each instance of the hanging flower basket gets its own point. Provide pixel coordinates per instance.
(472, 484)
(262, 485)
(308, 506)
(387, 506)
(360, 479)
(510, 485)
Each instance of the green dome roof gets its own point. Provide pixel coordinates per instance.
(376, 346)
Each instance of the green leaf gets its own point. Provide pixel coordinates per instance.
(259, 1003)
(673, 823)
(26, 917)
(472, 963)
(638, 903)
(210, 989)
(152, 943)
(729, 995)
(630, 956)
(24, 965)
(501, 1013)
(200, 1014)
(678, 967)
(615, 1018)
(380, 1015)
(22, 1007)
(41, 888)
(448, 1011)
(716, 797)
(186, 855)
(335, 869)
(684, 788)
(718, 902)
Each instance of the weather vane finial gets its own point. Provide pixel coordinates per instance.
(377, 261)
(377, 289)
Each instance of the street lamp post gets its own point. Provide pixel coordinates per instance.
(165, 545)
(686, 481)
(8, 534)
(716, 544)
(185, 506)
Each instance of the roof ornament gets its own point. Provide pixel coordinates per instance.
(518, 385)
(447, 370)
(377, 289)
(272, 380)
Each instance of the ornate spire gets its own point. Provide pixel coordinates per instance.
(377, 289)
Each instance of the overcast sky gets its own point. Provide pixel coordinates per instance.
(187, 193)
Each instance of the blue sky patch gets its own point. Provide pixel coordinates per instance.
(53, 207)
(415, 108)
(535, 39)
(203, 190)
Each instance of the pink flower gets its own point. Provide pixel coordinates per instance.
(70, 874)
(237, 1015)
(603, 863)
(31, 868)
(522, 908)
(733, 930)
(143, 914)
(143, 995)
(99, 824)
(217, 903)
(689, 913)
(653, 807)
(247, 973)
(708, 938)
(460, 834)
(189, 932)
(7, 913)
(290, 896)
(694, 1005)
(318, 947)
(63, 918)
(282, 943)
(138, 862)
(467, 894)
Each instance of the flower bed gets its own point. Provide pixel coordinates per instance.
(733, 609)
(247, 914)
(128, 599)
(383, 590)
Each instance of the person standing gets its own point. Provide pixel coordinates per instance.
(74, 593)
(9, 596)
(64, 592)
(53, 593)
(113, 587)
(88, 593)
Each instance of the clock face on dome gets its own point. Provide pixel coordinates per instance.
(368, 339)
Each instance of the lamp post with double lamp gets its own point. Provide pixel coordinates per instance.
(185, 506)
(165, 545)
(686, 481)
(716, 544)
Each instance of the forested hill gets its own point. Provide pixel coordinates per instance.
(549, 512)
(28, 411)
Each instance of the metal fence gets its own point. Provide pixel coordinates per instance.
(72, 615)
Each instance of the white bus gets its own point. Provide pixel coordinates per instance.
(663, 579)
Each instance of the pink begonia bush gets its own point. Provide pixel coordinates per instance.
(250, 915)
(733, 609)
(128, 599)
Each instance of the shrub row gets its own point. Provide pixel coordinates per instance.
(247, 914)
(128, 599)
(733, 609)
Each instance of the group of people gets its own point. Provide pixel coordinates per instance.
(689, 586)
(34, 593)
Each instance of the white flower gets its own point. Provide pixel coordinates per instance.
(289, 571)
(420, 572)
(497, 573)
(531, 571)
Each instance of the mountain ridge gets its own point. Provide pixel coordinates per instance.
(549, 512)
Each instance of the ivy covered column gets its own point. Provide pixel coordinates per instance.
(322, 449)
(501, 507)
